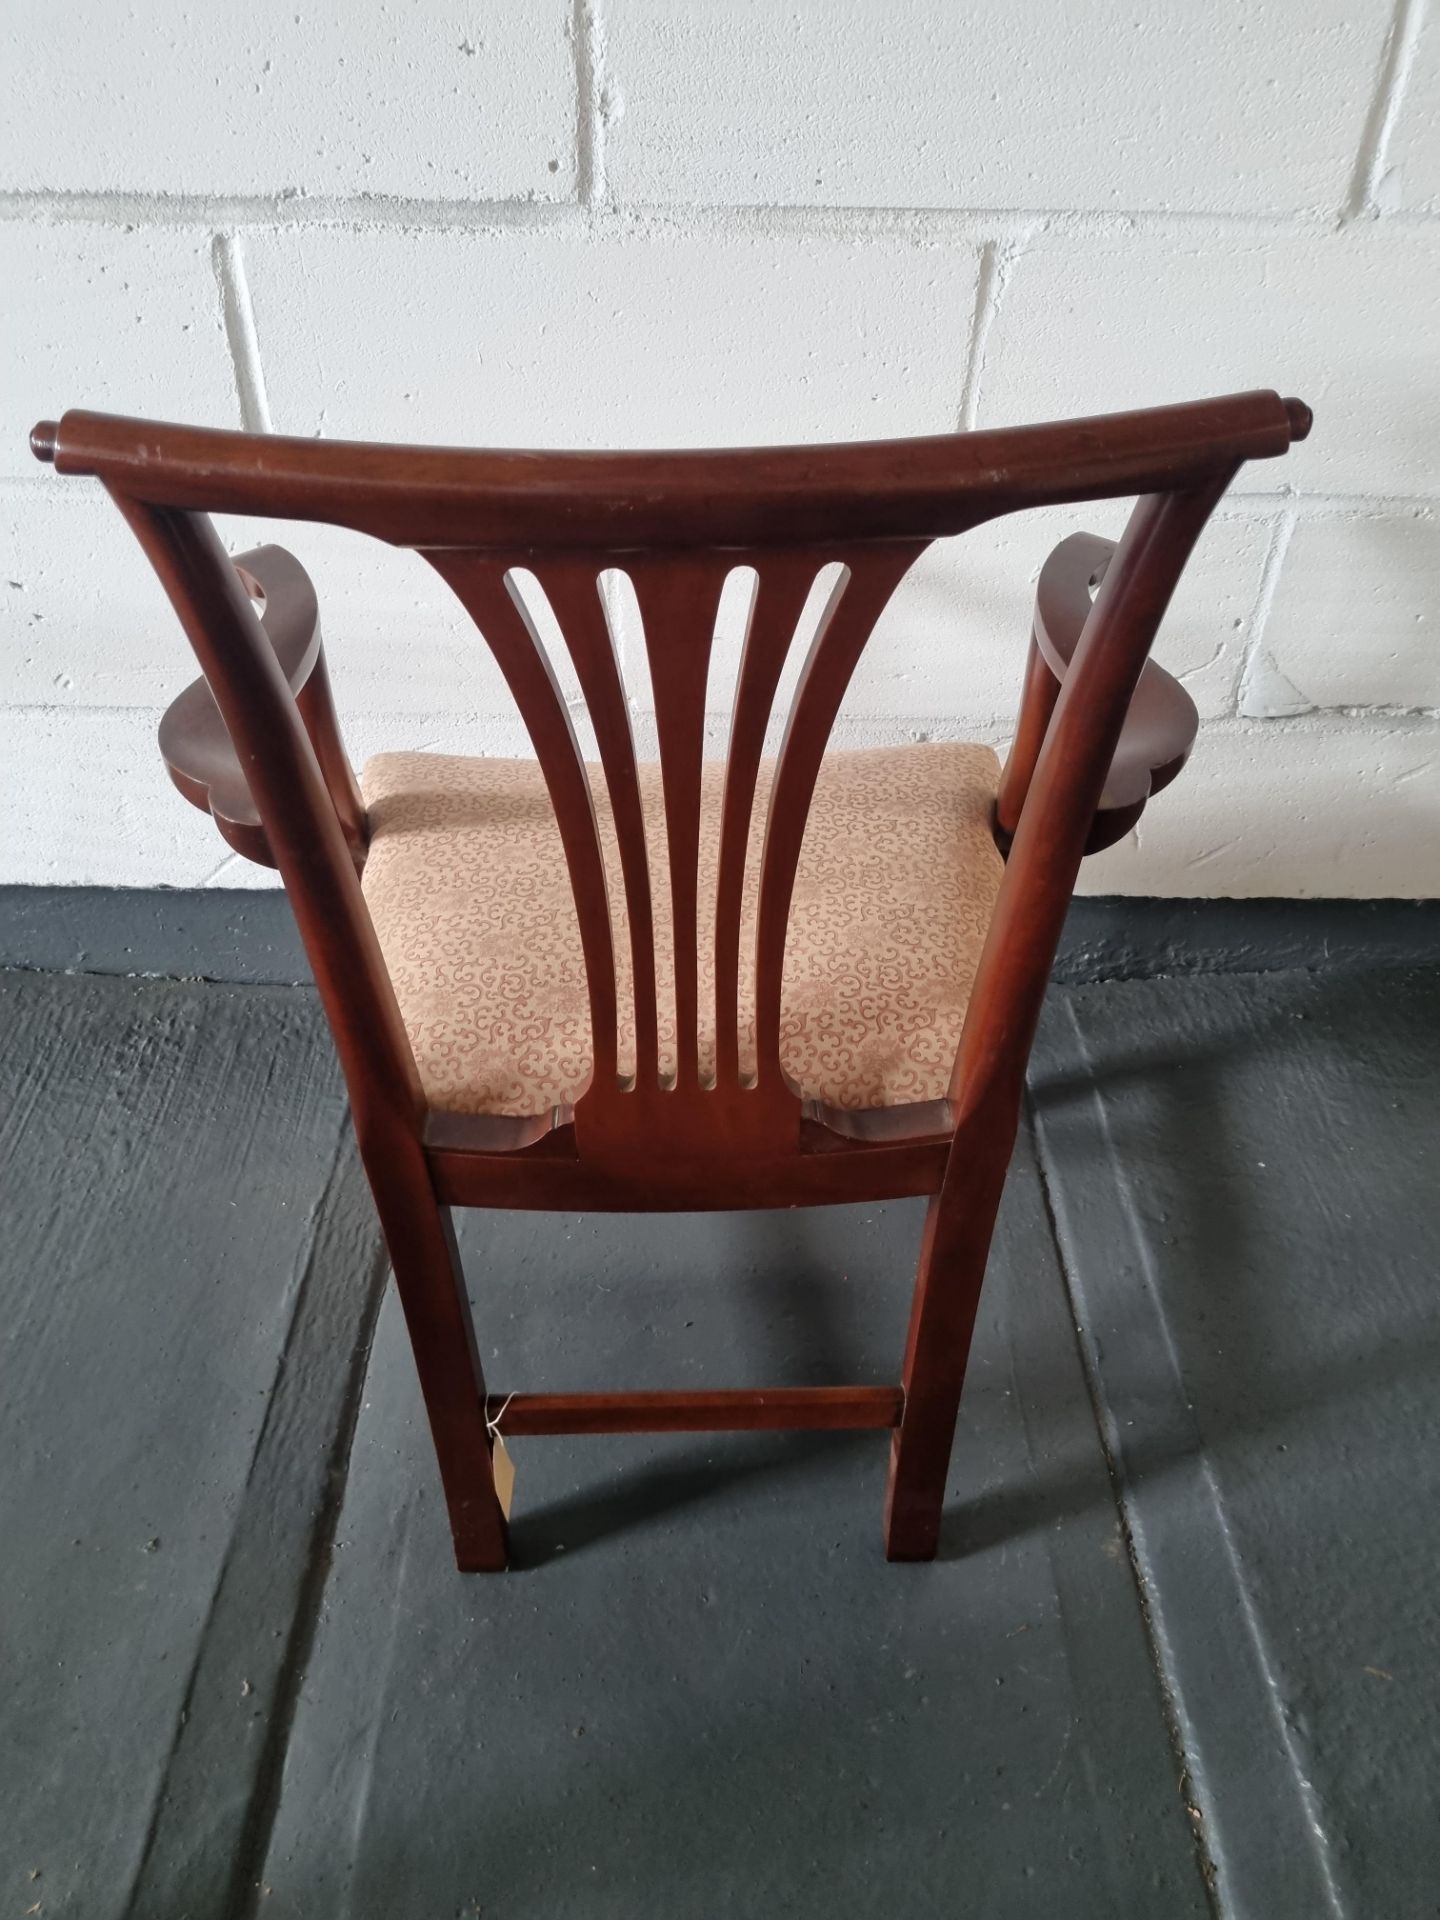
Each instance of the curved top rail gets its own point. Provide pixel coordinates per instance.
(869, 490)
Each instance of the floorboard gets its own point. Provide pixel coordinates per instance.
(187, 1264)
(703, 1690)
(1244, 1176)
(1177, 1655)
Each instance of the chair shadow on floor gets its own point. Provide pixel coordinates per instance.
(1173, 1102)
(794, 1317)
(645, 1496)
(1193, 1108)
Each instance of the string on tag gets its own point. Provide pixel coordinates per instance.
(501, 1465)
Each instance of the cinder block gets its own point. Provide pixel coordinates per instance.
(83, 619)
(1349, 321)
(952, 643)
(1356, 616)
(1314, 809)
(443, 101)
(85, 627)
(397, 641)
(1094, 105)
(1412, 174)
(551, 338)
(84, 623)
(123, 320)
(91, 805)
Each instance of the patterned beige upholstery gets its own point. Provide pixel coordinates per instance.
(467, 886)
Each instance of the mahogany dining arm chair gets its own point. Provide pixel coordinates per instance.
(688, 984)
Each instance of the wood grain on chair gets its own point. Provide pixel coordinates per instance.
(694, 938)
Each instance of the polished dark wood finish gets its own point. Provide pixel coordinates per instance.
(1160, 724)
(745, 1410)
(828, 1168)
(988, 1081)
(627, 502)
(196, 746)
(256, 743)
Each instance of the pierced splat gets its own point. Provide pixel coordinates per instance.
(677, 1108)
(677, 524)
(782, 587)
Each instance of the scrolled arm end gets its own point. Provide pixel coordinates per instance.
(1160, 726)
(196, 745)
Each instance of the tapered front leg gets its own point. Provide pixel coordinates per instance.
(953, 1254)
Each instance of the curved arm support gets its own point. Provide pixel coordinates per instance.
(1080, 745)
(1160, 725)
(194, 742)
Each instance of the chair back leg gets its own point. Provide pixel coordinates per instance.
(953, 1252)
(420, 1236)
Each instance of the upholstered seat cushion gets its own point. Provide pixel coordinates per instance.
(467, 886)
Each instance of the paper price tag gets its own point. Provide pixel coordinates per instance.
(503, 1468)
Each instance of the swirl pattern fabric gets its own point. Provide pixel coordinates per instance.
(469, 893)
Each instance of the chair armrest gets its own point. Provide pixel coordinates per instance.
(1160, 726)
(196, 746)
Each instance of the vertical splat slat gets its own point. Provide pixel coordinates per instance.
(849, 618)
(478, 581)
(679, 598)
(573, 589)
(783, 585)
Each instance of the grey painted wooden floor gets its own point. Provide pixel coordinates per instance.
(1178, 1655)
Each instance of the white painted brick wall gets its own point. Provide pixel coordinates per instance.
(1354, 622)
(129, 312)
(528, 336)
(1408, 175)
(1351, 319)
(446, 100)
(1013, 104)
(649, 222)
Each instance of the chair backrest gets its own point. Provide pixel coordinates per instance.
(677, 524)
